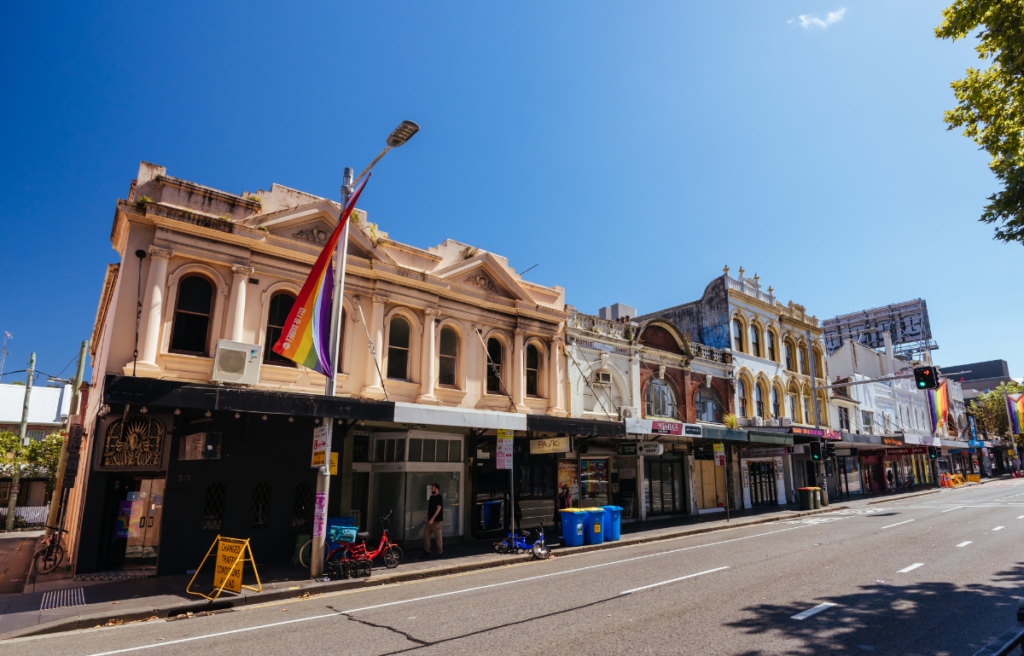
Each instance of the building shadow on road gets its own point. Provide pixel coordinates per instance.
(889, 617)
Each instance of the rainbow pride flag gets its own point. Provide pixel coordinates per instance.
(939, 399)
(1015, 410)
(307, 335)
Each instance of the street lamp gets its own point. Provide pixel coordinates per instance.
(398, 137)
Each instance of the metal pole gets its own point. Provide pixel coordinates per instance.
(323, 478)
(57, 498)
(814, 409)
(12, 503)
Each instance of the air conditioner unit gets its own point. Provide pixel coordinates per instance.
(785, 421)
(628, 412)
(602, 378)
(237, 362)
(758, 421)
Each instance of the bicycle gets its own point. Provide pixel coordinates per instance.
(51, 554)
(390, 553)
(519, 544)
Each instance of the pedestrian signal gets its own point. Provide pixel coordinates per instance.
(926, 377)
(815, 451)
(933, 453)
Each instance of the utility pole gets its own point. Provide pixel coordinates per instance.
(57, 498)
(814, 409)
(12, 503)
(4, 352)
(323, 478)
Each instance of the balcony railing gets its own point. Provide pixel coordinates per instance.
(711, 353)
(604, 327)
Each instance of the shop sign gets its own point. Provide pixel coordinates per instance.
(638, 426)
(799, 430)
(627, 473)
(954, 451)
(693, 430)
(892, 441)
(833, 435)
(334, 463)
(639, 448)
(975, 443)
(321, 444)
(719, 454)
(914, 438)
(319, 514)
(598, 346)
(765, 452)
(550, 445)
(666, 428)
(504, 451)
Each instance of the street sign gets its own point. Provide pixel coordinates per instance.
(720, 454)
(227, 573)
(504, 451)
(321, 444)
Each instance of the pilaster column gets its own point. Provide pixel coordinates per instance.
(236, 305)
(153, 303)
(373, 387)
(554, 389)
(427, 358)
(518, 368)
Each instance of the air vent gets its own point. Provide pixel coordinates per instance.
(231, 361)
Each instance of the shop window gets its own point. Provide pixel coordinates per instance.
(844, 419)
(433, 450)
(260, 506)
(280, 306)
(302, 508)
(742, 392)
(755, 341)
(213, 507)
(737, 329)
(494, 353)
(191, 331)
(759, 400)
(661, 401)
(390, 450)
(448, 354)
(532, 370)
(709, 408)
(361, 447)
(867, 420)
(770, 337)
(775, 402)
(398, 349)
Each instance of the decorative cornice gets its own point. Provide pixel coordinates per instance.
(162, 253)
(240, 270)
(431, 312)
(379, 299)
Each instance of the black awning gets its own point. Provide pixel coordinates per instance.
(569, 426)
(170, 394)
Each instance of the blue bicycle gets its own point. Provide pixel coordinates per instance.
(520, 543)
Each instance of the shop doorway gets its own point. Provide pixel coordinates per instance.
(664, 482)
(709, 485)
(132, 522)
(763, 488)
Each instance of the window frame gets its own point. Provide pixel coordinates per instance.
(536, 394)
(649, 401)
(737, 340)
(454, 358)
(209, 316)
(755, 341)
(771, 351)
(759, 405)
(407, 348)
(500, 366)
(701, 404)
(741, 396)
(268, 346)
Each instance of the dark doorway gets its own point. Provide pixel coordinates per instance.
(132, 514)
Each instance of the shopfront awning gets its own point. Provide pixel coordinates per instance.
(570, 426)
(433, 415)
(765, 437)
(717, 433)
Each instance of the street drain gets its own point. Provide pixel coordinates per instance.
(63, 599)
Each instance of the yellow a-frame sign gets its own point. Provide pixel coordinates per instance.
(228, 567)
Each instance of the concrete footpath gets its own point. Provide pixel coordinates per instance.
(147, 599)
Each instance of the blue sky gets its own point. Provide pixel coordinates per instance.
(630, 150)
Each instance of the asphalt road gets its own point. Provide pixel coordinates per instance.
(938, 574)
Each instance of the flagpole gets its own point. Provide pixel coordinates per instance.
(323, 478)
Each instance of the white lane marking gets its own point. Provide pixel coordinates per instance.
(964, 544)
(950, 510)
(812, 611)
(435, 596)
(998, 528)
(1021, 517)
(899, 524)
(688, 576)
(910, 568)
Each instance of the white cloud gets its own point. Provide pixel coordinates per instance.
(807, 21)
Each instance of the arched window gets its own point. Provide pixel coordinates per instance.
(494, 351)
(770, 337)
(801, 355)
(759, 400)
(819, 367)
(737, 329)
(755, 341)
(532, 370)
(709, 408)
(191, 331)
(794, 415)
(280, 305)
(398, 349)
(788, 352)
(661, 400)
(775, 402)
(449, 357)
(743, 398)
(807, 410)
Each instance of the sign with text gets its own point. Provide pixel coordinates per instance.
(321, 444)
(320, 515)
(833, 435)
(720, 454)
(227, 573)
(653, 427)
(334, 463)
(892, 441)
(503, 454)
(551, 445)
(639, 448)
(800, 430)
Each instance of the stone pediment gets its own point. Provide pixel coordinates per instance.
(313, 224)
(485, 273)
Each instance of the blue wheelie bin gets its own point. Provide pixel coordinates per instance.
(593, 527)
(612, 523)
(573, 520)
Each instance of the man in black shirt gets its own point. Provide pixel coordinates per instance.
(435, 518)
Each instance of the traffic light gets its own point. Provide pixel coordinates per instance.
(830, 450)
(926, 377)
(816, 451)
(933, 453)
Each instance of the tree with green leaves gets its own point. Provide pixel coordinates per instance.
(989, 410)
(990, 102)
(38, 459)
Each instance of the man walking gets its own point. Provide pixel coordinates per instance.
(435, 518)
